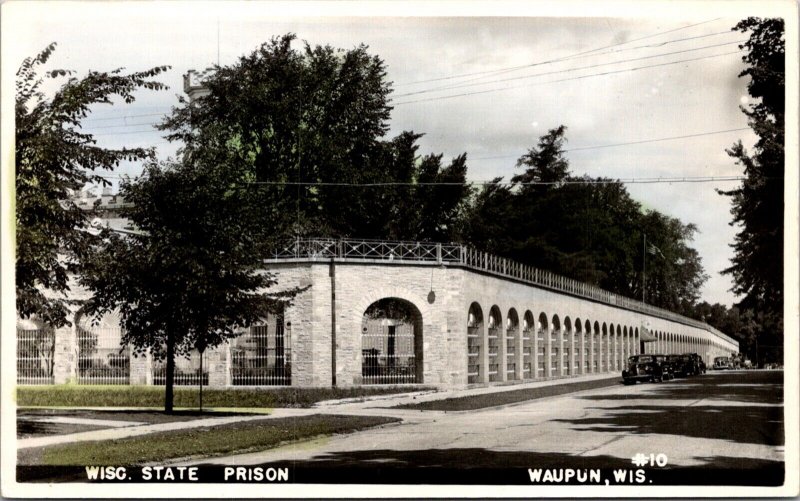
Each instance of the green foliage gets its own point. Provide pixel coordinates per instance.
(319, 115)
(192, 275)
(757, 205)
(248, 436)
(153, 396)
(589, 229)
(54, 158)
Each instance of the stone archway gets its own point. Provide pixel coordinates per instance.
(391, 343)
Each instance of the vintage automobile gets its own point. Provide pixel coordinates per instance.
(667, 370)
(683, 365)
(643, 368)
(722, 363)
(698, 364)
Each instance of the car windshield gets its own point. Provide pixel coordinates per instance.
(641, 358)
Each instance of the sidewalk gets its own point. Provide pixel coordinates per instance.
(382, 405)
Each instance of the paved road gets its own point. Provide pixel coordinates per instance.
(728, 425)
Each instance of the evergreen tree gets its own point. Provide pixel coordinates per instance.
(757, 205)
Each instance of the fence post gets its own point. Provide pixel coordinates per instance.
(439, 253)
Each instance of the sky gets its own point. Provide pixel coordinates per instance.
(485, 82)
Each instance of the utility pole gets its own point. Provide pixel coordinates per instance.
(644, 267)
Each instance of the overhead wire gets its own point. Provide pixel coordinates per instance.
(570, 56)
(581, 77)
(566, 70)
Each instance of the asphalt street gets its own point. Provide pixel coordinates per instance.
(718, 428)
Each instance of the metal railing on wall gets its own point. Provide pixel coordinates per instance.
(304, 249)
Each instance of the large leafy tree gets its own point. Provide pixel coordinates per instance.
(757, 205)
(589, 229)
(191, 276)
(309, 125)
(53, 159)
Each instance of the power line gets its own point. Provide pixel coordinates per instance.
(655, 140)
(124, 117)
(564, 79)
(122, 125)
(650, 180)
(566, 57)
(567, 70)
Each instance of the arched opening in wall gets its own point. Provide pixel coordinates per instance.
(610, 346)
(596, 347)
(587, 342)
(391, 343)
(555, 347)
(36, 347)
(262, 355)
(633, 342)
(474, 342)
(566, 360)
(495, 326)
(617, 345)
(604, 348)
(527, 345)
(579, 353)
(624, 346)
(102, 358)
(512, 338)
(542, 326)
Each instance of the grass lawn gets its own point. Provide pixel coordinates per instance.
(203, 442)
(186, 397)
(507, 397)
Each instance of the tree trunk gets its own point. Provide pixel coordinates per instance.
(170, 373)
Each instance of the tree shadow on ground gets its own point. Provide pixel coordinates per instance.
(740, 424)
(755, 387)
(716, 418)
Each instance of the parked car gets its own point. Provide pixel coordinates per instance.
(699, 365)
(683, 365)
(642, 368)
(722, 363)
(667, 370)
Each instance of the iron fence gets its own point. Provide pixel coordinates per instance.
(262, 356)
(511, 354)
(388, 353)
(35, 351)
(473, 353)
(187, 371)
(468, 257)
(101, 357)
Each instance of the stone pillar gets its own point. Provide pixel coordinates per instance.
(502, 353)
(214, 361)
(519, 357)
(548, 354)
(572, 357)
(582, 357)
(140, 370)
(65, 355)
(483, 376)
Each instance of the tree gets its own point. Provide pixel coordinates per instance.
(191, 276)
(757, 205)
(310, 127)
(55, 158)
(589, 229)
